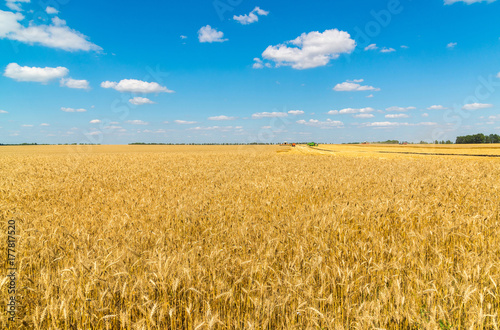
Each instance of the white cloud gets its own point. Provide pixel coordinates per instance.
(322, 124)
(252, 17)
(214, 128)
(41, 75)
(3, 111)
(15, 4)
(95, 121)
(400, 109)
(425, 115)
(450, 2)
(72, 110)
(498, 75)
(387, 50)
(404, 47)
(364, 115)
(369, 96)
(311, 50)
(296, 112)
(353, 86)
(184, 122)
(55, 35)
(137, 122)
(385, 124)
(257, 63)
(136, 86)
(183, 37)
(260, 115)
(399, 115)
(350, 111)
(266, 127)
(437, 107)
(44, 124)
(140, 101)
(209, 34)
(451, 45)
(51, 10)
(73, 83)
(113, 127)
(476, 106)
(371, 47)
(222, 118)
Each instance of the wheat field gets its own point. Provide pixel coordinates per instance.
(250, 237)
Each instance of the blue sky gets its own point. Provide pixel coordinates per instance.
(116, 72)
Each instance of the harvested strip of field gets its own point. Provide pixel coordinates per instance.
(494, 153)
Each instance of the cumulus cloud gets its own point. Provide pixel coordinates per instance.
(296, 112)
(252, 17)
(184, 122)
(259, 64)
(72, 110)
(215, 128)
(140, 101)
(450, 2)
(353, 86)
(400, 109)
(95, 121)
(387, 50)
(371, 47)
(425, 115)
(3, 111)
(477, 106)
(498, 75)
(51, 10)
(44, 124)
(322, 124)
(209, 34)
(34, 74)
(350, 111)
(73, 83)
(364, 115)
(385, 124)
(137, 122)
(27, 125)
(222, 118)
(399, 115)
(260, 115)
(15, 4)
(54, 35)
(451, 45)
(311, 50)
(136, 86)
(437, 107)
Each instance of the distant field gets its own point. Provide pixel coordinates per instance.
(266, 237)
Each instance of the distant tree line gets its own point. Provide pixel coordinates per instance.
(478, 138)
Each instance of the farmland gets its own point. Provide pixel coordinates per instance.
(232, 237)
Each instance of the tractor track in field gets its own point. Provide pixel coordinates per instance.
(415, 153)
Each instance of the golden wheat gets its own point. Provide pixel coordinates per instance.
(172, 237)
